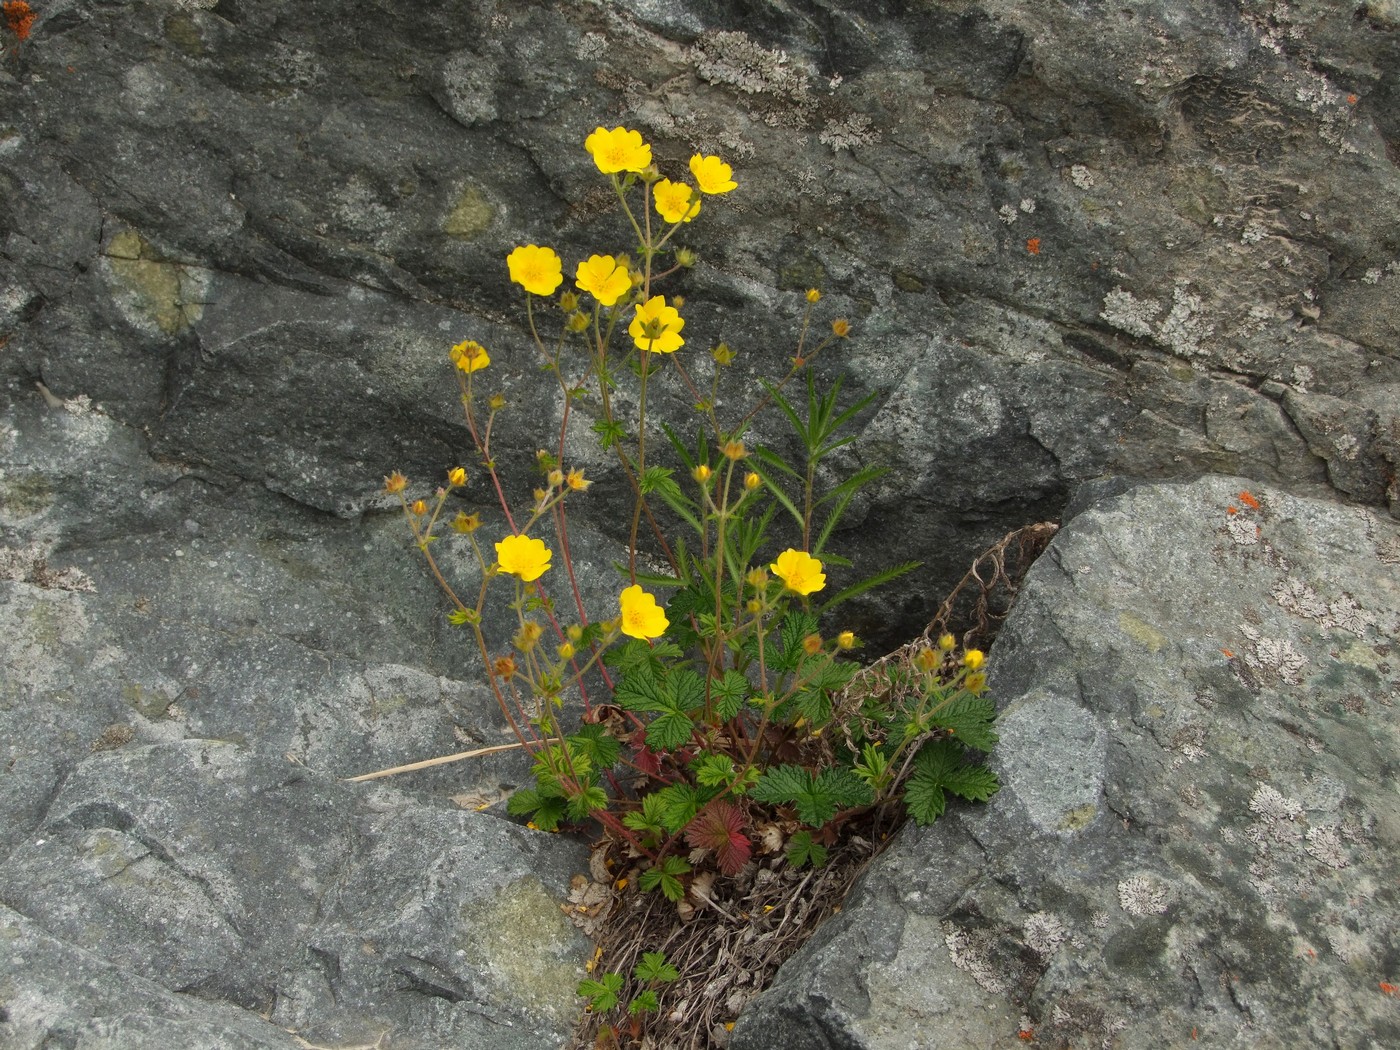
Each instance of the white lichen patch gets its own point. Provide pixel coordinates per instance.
(30, 565)
(1127, 313)
(1007, 214)
(1273, 655)
(855, 130)
(1185, 329)
(1242, 530)
(1082, 177)
(971, 955)
(1045, 933)
(1141, 895)
(1324, 844)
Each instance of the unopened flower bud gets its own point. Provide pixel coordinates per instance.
(846, 640)
(527, 636)
(577, 322)
(419, 507)
(722, 354)
(555, 477)
(568, 302)
(701, 473)
(754, 606)
(395, 483)
(927, 660)
(973, 658)
(757, 578)
(466, 523)
(812, 644)
(813, 295)
(734, 450)
(685, 257)
(457, 477)
(677, 301)
(946, 642)
(497, 402)
(504, 667)
(566, 651)
(752, 481)
(574, 633)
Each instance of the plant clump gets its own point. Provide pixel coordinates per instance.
(706, 724)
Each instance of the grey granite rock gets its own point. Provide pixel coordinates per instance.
(1196, 833)
(237, 238)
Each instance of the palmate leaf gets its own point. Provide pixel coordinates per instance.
(666, 877)
(942, 766)
(594, 742)
(802, 850)
(970, 719)
(678, 806)
(601, 994)
(669, 731)
(728, 694)
(720, 827)
(654, 967)
(816, 799)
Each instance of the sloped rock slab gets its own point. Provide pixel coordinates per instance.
(281, 903)
(1197, 837)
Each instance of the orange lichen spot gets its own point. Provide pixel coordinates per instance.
(1033, 245)
(1352, 100)
(1025, 1035)
(1247, 498)
(1390, 989)
(1232, 509)
(1229, 655)
(19, 17)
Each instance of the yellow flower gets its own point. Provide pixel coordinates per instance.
(657, 327)
(675, 201)
(470, 356)
(799, 571)
(394, 483)
(752, 481)
(604, 278)
(972, 659)
(712, 175)
(734, 450)
(701, 473)
(576, 481)
(466, 523)
(523, 556)
(537, 270)
(618, 150)
(641, 616)
(813, 295)
(457, 477)
(566, 651)
(946, 642)
(846, 640)
(927, 660)
(840, 328)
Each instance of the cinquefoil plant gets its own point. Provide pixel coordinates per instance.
(723, 728)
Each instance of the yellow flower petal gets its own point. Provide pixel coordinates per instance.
(537, 270)
(641, 616)
(657, 327)
(800, 572)
(618, 150)
(712, 175)
(523, 556)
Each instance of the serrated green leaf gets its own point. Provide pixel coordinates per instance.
(641, 690)
(782, 784)
(728, 694)
(802, 850)
(645, 1003)
(610, 432)
(970, 719)
(713, 770)
(687, 690)
(665, 876)
(679, 804)
(974, 783)
(589, 800)
(654, 967)
(650, 818)
(669, 731)
(594, 742)
(601, 995)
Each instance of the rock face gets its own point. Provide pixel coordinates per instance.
(236, 241)
(1196, 831)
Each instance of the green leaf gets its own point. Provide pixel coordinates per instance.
(650, 818)
(645, 1003)
(640, 690)
(665, 877)
(601, 995)
(587, 801)
(610, 432)
(688, 690)
(815, 706)
(713, 770)
(970, 719)
(924, 797)
(802, 850)
(844, 788)
(679, 804)
(669, 731)
(816, 799)
(654, 967)
(974, 783)
(594, 742)
(728, 694)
